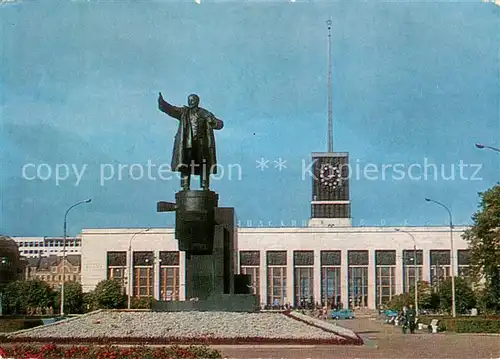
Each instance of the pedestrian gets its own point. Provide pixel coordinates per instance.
(410, 318)
(403, 319)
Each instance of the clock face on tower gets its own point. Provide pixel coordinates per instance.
(330, 176)
(330, 185)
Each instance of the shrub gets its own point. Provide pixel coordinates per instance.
(465, 324)
(51, 351)
(12, 324)
(108, 295)
(142, 303)
(477, 326)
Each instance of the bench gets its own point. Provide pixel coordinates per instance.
(433, 327)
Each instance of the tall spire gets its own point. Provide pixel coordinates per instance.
(330, 118)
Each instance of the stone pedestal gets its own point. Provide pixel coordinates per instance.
(210, 263)
(195, 221)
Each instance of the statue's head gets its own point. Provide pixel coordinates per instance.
(193, 100)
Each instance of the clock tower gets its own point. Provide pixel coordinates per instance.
(330, 204)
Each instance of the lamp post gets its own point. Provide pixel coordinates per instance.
(452, 257)
(64, 250)
(481, 146)
(414, 265)
(130, 288)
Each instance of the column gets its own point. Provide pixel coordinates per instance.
(182, 275)
(290, 293)
(263, 277)
(317, 276)
(344, 277)
(399, 272)
(426, 265)
(156, 275)
(372, 300)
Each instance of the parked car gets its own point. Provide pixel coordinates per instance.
(390, 316)
(391, 313)
(343, 314)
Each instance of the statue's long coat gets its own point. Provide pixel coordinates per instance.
(207, 141)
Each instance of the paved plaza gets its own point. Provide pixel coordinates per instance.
(385, 342)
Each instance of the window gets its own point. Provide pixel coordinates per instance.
(440, 267)
(358, 278)
(385, 268)
(143, 274)
(304, 278)
(117, 267)
(410, 268)
(250, 264)
(169, 275)
(464, 269)
(331, 283)
(276, 278)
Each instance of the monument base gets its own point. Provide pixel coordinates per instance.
(195, 221)
(248, 303)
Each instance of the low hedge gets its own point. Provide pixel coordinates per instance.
(14, 324)
(477, 326)
(51, 351)
(124, 340)
(465, 324)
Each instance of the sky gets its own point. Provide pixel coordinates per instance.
(414, 86)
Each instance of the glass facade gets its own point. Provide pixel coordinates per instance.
(331, 283)
(385, 272)
(358, 278)
(303, 262)
(332, 278)
(276, 278)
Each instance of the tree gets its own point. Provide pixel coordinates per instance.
(485, 301)
(73, 298)
(465, 297)
(397, 302)
(38, 294)
(21, 295)
(484, 243)
(109, 295)
(11, 265)
(14, 298)
(427, 298)
(89, 302)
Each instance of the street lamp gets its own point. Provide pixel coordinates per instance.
(64, 250)
(129, 302)
(452, 257)
(414, 265)
(481, 146)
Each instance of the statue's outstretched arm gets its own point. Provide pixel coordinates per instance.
(170, 110)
